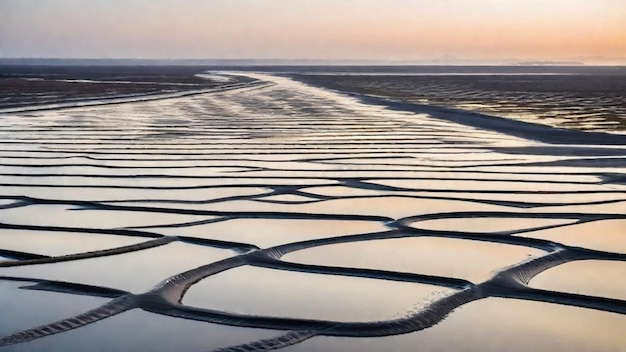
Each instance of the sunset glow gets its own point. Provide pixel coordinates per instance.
(321, 29)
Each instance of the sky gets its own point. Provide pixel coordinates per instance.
(396, 30)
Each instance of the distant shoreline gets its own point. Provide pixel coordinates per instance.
(297, 62)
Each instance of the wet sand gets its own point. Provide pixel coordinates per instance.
(278, 215)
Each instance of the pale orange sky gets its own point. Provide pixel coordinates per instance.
(315, 29)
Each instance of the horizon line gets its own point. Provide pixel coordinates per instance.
(442, 61)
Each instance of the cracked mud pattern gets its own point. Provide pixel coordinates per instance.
(283, 216)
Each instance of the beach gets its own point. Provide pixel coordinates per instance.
(276, 211)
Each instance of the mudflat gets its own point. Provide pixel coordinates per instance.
(277, 214)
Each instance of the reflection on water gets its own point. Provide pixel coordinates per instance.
(487, 224)
(268, 233)
(497, 325)
(136, 272)
(588, 277)
(28, 308)
(141, 331)
(60, 243)
(469, 260)
(309, 296)
(599, 235)
(55, 215)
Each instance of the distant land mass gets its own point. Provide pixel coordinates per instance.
(551, 63)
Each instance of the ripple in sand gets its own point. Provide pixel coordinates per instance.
(310, 296)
